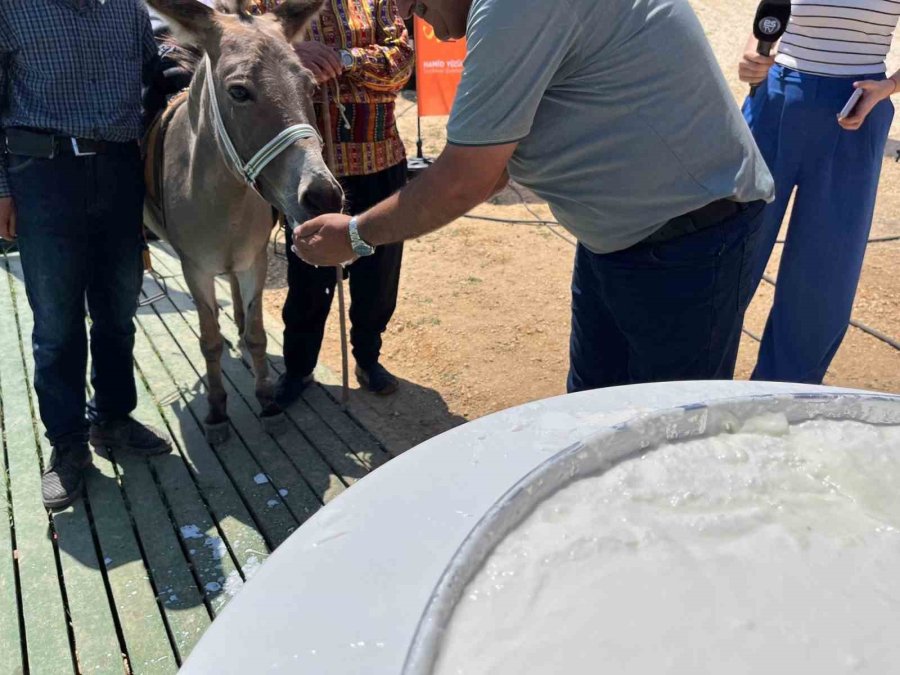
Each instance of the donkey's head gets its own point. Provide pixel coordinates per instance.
(262, 89)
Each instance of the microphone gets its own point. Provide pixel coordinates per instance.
(771, 21)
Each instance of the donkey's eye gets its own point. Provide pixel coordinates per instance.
(240, 94)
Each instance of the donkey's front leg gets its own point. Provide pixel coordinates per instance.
(202, 287)
(252, 282)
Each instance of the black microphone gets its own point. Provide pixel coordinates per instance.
(771, 21)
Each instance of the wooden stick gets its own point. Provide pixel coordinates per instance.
(329, 161)
(345, 391)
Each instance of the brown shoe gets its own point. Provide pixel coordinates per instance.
(63, 480)
(128, 435)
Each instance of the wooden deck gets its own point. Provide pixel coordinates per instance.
(128, 579)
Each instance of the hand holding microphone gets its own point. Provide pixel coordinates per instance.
(769, 25)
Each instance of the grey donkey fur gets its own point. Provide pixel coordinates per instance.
(215, 222)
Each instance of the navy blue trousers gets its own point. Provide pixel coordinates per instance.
(79, 235)
(835, 173)
(663, 312)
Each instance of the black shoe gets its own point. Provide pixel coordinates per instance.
(289, 387)
(63, 479)
(128, 435)
(377, 379)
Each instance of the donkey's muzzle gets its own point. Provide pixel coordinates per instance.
(322, 195)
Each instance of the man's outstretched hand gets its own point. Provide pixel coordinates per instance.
(324, 241)
(7, 219)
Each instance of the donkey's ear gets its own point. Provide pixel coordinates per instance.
(294, 15)
(191, 21)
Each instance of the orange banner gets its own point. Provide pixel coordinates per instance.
(439, 66)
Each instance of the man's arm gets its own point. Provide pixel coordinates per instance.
(460, 179)
(388, 64)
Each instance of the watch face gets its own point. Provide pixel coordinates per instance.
(346, 59)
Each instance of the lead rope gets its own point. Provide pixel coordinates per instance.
(339, 270)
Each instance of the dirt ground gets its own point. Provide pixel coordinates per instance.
(483, 316)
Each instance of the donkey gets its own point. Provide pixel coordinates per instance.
(250, 97)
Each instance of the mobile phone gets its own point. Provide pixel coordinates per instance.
(851, 103)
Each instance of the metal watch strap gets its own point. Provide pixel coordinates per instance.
(360, 246)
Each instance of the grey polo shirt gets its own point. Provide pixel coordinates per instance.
(621, 112)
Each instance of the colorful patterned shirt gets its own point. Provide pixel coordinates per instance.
(367, 141)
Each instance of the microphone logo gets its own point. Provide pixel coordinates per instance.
(769, 25)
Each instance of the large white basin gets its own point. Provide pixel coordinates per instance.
(368, 584)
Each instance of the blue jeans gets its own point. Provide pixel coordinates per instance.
(79, 235)
(835, 173)
(663, 312)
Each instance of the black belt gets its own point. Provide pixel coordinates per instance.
(701, 219)
(45, 145)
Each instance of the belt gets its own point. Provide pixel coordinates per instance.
(698, 220)
(45, 145)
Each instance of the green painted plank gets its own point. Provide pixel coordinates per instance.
(247, 475)
(176, 589)
(343, 422)
(10, 637)
(369, 453)
(207, 468)
(97, 646)
(338, 456)
(42, 603)
(288, 458)
(140, 617)
(145, 634)
(204, 543)
(364, 445)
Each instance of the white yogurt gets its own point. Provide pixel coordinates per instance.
(774, 550)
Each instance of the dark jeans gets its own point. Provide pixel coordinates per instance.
(663, 312)
(374, 281)
(79, 227)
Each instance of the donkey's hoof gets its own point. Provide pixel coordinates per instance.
(218, 432)
(273, 423)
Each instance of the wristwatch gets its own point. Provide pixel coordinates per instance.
(346, 59)
(360, 247)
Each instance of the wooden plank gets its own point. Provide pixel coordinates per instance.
(201, 539)
(254, 483)
(97, 646)
(140, 617)
(370, 453)
(364, 445)
(339, 457)
(142, 626)
(176, 588)
(292, 488)
(11, 656)
(288, 456)
(343, 422)
(208, 469)
(48, 648)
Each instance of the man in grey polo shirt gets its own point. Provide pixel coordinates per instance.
(616, 113)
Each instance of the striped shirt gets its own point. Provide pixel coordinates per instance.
(839, 38)
(73, 67)
(376, 37)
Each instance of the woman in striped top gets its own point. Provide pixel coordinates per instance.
(830, 48)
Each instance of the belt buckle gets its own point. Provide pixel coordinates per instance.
(77, 150)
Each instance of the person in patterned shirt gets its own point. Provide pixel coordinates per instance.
(359, 53)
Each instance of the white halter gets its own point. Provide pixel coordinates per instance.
(251, 170)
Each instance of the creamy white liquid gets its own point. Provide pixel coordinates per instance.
(775, 550)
